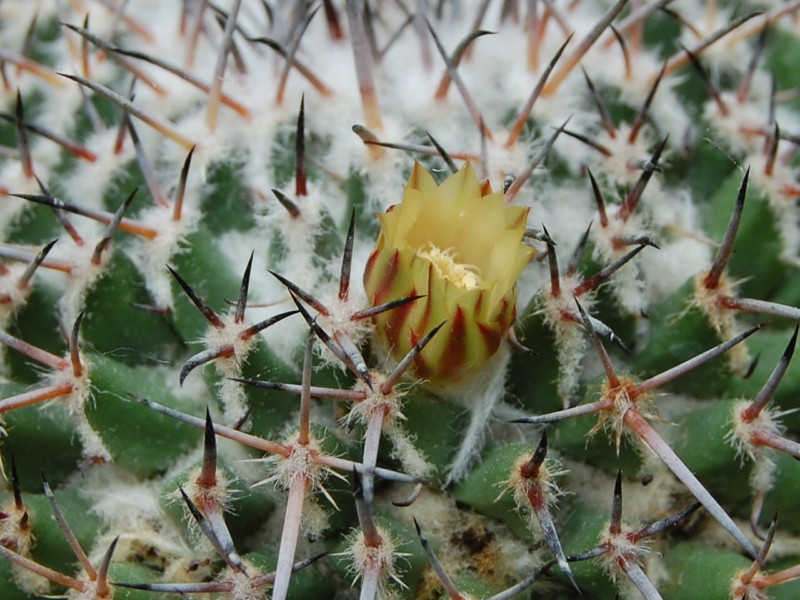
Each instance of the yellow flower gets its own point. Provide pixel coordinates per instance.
(460, 246)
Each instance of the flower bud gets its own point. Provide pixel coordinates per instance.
(459, 246)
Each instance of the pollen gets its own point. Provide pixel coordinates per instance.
(447, 266)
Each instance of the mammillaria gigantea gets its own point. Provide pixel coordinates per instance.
(196, 182)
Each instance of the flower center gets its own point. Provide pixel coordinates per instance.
(465, 276)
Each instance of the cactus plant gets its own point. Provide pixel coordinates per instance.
(282, 313)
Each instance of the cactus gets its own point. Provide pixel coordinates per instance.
(282, 313)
